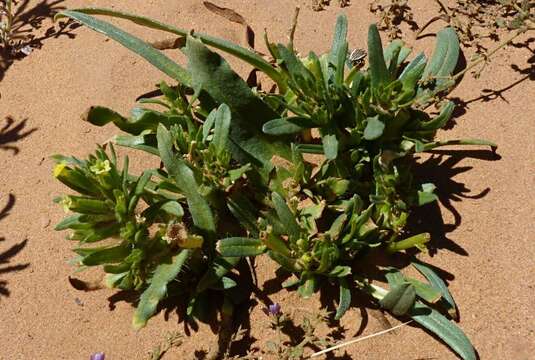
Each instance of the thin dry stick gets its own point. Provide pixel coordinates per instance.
(292, 29)
(358, 339)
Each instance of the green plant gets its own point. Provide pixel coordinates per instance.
(6, 23)
(317, 174)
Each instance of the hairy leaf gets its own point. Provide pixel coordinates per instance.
(157, 290)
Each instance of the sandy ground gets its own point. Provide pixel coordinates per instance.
(43, 317)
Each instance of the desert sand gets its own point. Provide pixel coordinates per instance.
(488, 248)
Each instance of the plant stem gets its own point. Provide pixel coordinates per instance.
(490, 53)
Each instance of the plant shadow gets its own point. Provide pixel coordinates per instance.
(11, 133)
(7, 256)
(440, 169)
(28, 20)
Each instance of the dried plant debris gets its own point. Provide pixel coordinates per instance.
(391, 14)
(476, 20)
(292, 336)
(318, 5)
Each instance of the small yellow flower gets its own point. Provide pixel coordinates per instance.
(100, 167)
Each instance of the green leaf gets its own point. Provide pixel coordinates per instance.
(338, 53)
(427, 195)
(185, 180)
(284, 261)
(444, 329)
(216, 271)
(157, 290)
(208, 124)
(445, 57)
(211, 72)
(242, 209)
(106, 255)
(374, 128)
(286, 126)
(242, 53)
(435, 280)
(421, 147)
(144, 142)
(330, 142)
(240, 247)
(344, 300)
(153, 56)
(222, 129)
(396, 46)
(417, 241)
(69, 222)
(308, 287)
(286, 216)
(400, 299)
(340, 271)
(425, 291)
(378, 70)
(445, 114)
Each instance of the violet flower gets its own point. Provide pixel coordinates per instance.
(98, 356)
(274, 309)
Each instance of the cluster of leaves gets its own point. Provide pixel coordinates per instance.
(315, 174)
(391, 14)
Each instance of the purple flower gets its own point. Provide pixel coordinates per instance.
(274, 309)
(98, 356)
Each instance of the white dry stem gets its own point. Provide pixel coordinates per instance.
(332, 348)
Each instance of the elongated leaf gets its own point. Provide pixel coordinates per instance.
(185, 180)
(242, 53)
(418, 62)
(445, 114)
(400, 299)
(240, 246)
(222, 129)
(338, 54)
(284, 261)
(107, 255)
(69, 222)
(444, 329)
(445, 56)
(153, 56)
(211, 72)
(391, 49)
(216, 271)
(244, 212)
(439, 284)
(285, 126)
(208, 124)
(286, 216)
(308, 286)
(378, 71)
(420, 147)
(344, 300)
(425, 291)
(145, 143)
(157, 290)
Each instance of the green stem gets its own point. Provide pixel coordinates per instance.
(413, 241)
